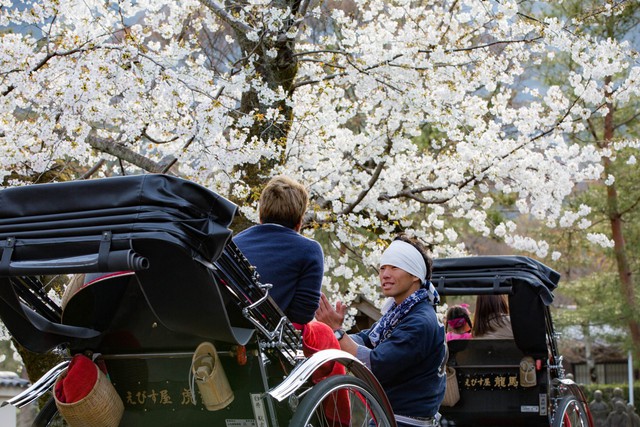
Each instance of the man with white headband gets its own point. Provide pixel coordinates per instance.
(406, 348)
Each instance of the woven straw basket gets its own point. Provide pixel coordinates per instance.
(452, 392)
(102, 407)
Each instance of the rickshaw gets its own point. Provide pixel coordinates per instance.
(509, 382)
(164, 280)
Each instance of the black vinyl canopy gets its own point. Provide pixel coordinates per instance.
(37, 222)
(493, 274)
(169, 231)
(528, 283)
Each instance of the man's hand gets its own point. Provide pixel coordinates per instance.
(329, 315)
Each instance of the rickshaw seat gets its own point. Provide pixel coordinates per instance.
(488, 371)
(478, 351)
(180, 296)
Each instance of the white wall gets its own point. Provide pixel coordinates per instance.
(8, 412)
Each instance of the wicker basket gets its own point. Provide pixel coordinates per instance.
(102, 407)
(452, 392)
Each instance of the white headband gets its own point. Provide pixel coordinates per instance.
(405, 256)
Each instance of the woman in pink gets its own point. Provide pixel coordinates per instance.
(458, 323)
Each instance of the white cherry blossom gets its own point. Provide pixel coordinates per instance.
(399, 115)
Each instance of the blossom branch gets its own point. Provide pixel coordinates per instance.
(224, 15)
(118, 150)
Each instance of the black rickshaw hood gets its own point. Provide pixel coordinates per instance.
(528, 283)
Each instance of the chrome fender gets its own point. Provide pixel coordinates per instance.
(305, 369)
(38, 388)
(573, 388)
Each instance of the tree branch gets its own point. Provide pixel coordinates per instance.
(629, 120)
(225, 16)
(374, 178)
(118, 150)
(363, 70)
(93, 169)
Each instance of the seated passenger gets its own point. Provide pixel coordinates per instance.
(292, 263)
(491, 319)
(458, 324)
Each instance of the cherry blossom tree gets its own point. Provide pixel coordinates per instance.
(614, 200)
(398, 115)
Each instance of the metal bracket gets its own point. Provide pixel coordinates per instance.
(103, 251)
(7, 253)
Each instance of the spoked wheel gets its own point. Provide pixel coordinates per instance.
(48, 416)
(571, 413)
(341, 401)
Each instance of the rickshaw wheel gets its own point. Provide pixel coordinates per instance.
(341, 401)
(46, 415)
(571, 413)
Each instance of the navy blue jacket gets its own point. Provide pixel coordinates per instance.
(410, 362)
(292, 263)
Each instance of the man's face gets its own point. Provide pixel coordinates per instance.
(397, 283)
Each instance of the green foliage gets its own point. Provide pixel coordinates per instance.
(431, 139)
(605, 285)
(601, 287)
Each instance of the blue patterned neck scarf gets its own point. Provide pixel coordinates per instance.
(383, 328)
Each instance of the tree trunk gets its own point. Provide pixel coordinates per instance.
(588, 354)
(276, 73)
(36, 365)
(625, 274)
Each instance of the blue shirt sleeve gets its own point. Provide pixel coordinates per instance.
(363, 353)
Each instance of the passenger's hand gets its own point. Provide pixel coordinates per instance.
(329, 315)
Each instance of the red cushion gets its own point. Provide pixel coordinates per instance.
(80, 379)
(318, 336)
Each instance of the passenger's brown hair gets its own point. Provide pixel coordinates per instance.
(488, 308)
(283, 201)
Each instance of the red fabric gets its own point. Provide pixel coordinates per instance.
(81, 377)
(318, 336)
(456, 323)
